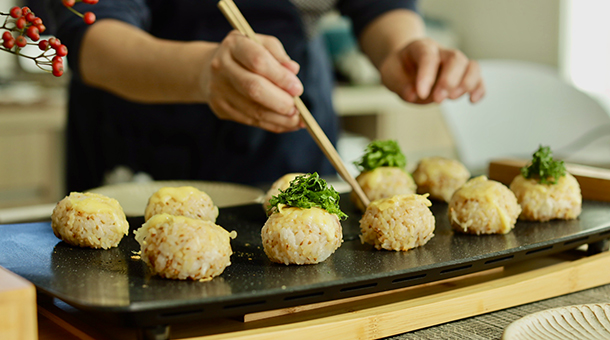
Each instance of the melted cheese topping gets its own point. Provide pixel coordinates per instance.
(179, 194)
(91, 203)
(480, 188)
(395, 201)
(313, 216)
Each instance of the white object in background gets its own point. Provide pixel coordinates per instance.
(526, 105)
(133, 197)
(350, 147)
(581, 322)
(30, 213)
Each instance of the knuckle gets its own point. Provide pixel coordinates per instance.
(216, 64)
(253, 89)
(257, 63)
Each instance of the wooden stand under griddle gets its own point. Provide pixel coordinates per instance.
(382, 314)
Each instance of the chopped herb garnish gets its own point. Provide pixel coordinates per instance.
(308, 191)
(382, 153)
(543, 167)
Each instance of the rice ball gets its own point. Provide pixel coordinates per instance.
(89, 220)
(281, 184)
(383, 182)
(544, 202)
(440, 177)
(398, 223)
(301, 236)
(483, 206)
(179, 247)
(182, 201)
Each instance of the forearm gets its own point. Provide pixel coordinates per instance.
(389, 33)
(133, 64)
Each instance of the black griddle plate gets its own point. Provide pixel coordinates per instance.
(111, 284)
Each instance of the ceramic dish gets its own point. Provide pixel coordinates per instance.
(133, 197)
(580, 322)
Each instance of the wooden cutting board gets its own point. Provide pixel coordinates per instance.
(17, 307)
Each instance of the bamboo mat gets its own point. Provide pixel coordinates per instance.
(490, 326)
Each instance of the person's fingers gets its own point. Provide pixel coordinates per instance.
(478, 93)
(395, 76)
(471, 79)
(425, 55)
(257, 88)
(275, 47)
(258, 59)
(453, 68)
(243, 111)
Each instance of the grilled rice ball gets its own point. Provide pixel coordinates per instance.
(179, 247)
(89, 220)
(440, 177)
(483, 206)
(544, 202)
(280, 184)
(294, 235)
(399, 223)
(383, 182)
(182, 201)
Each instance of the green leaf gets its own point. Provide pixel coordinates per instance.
(308, 191)
(543, 167)
(381, 153)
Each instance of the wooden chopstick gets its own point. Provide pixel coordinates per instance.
(237, 20)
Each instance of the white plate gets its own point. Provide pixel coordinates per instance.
(133, 197)
(581, 322)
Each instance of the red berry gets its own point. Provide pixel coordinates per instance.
(9, 43)
(54, 42)
(58, 70)
(21, 41)
(89, 18)
(7, 35)
(62, 51)
(15, 12)
(57, 59)
(68, 3)
(90, 2)
(33, 33)
(41, 28)
(37, 21)
(43, 45)
(30, 17)
(25, 10)
(20, 23)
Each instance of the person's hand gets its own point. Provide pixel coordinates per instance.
(425, 72)
(253, 84)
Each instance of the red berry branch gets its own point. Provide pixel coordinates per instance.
(88, 17)
(21, 22)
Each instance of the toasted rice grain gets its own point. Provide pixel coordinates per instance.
(398, 223)
(544, 202)
(440, 177)
(384, 182)
(178, 247)
(483, 206)
(282, 183)
(301, 236)
(89, 220)
(182, 201)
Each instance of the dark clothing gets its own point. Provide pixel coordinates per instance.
(187, 141)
